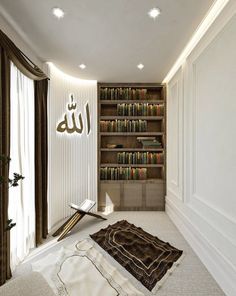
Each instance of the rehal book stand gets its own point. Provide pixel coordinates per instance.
(81, 211)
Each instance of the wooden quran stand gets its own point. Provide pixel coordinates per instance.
(81, 211)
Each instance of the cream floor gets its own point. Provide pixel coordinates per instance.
(190, 278)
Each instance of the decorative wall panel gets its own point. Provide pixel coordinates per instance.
(205, 209)
(175, 135)
(72, 162)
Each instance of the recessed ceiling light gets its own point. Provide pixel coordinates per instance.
(58, 12)
(154, 12)
(140, 66)
(82, 66)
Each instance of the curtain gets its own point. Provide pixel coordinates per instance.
(9, 51)
(22, 197)
(41, 159)
(26, 66)
(5, 272)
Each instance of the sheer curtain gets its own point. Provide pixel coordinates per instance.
(22, 198)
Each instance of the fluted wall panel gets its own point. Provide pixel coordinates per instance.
(72, 163)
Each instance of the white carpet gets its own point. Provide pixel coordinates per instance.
(190, 278)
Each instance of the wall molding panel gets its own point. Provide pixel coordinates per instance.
(220, 267)
(175, 135)
(202, 206)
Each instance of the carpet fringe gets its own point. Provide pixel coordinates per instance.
(168, 273)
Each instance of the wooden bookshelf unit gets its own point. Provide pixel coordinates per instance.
(131, 146)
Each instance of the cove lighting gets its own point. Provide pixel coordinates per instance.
(82, 66)
(154, 12)
(58, 12)
(63, 75)
(140, 66)
(212, 14)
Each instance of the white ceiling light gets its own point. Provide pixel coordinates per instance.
(140, 66)
(154, 12)
(58, 12)
(82, 66)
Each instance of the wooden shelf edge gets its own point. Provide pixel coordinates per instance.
(132, 117)
(149, 181)
(119, 165)
(114, 102)
(131, 84)
(132, 149)
(132, 134)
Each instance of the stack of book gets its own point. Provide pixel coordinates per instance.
(149, 142)
(140, 109)
(123, 126)
(123, 94)
(108, 173)
(139, 158)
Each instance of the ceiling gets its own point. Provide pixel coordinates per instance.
(110, 36)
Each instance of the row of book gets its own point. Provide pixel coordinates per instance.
(140, 109)
(140, 158)
(123, 126)
(123, 94)
(123, 173)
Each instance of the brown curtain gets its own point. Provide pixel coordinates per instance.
(5, 272)
(27, 67)
(9, 52)
(41, 158)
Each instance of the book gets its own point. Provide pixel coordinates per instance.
(140, 139)
(123, 173)
(140, 158)
(85, 206)
(123, 93)
(151, 144)
(123, 125)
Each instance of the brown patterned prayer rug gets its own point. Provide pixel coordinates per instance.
(146, 257)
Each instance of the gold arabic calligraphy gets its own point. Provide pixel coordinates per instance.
(63, 126)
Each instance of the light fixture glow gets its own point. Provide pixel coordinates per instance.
(68, 77)
(58, 12)
(212, 14)
(82, 66)
(154, 12)
(140, 66)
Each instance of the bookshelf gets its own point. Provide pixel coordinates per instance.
(131, 146)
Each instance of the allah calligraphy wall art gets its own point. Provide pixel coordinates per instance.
(73, 121)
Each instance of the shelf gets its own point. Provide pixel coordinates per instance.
(148, 85)
(132, 117)
(155, 181)
(115, 102)
(141, 194)
(148, 134)
(119, 165)
(131, 149)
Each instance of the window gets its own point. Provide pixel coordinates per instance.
(22, 198)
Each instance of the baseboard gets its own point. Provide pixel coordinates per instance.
(221, 270)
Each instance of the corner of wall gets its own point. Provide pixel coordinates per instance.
(9, 27)
(204, 220)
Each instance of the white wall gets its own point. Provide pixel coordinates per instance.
(72, 165)
(8, 26)
(201, 177)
